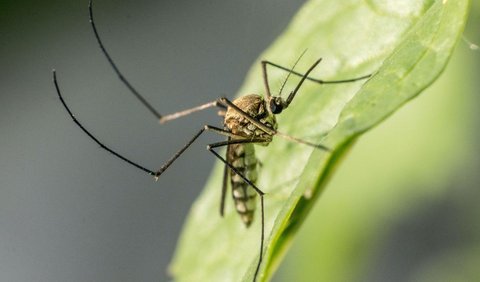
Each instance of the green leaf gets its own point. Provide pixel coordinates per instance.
(409, 181)
(405, 44)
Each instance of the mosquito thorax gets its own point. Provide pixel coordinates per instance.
(256, 107)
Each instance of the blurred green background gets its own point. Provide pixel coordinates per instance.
(402, 206)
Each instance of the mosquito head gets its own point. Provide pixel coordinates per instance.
(276, 105)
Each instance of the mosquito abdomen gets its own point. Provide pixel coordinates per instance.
(242, 157)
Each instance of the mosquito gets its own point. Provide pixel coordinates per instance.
(247, 121)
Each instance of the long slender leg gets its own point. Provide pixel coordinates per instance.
(211, 147)
(259, 192)
(185, 147)
(321, 81)
(177, 154)
(117, 70)
(238, 141)
(265, 81)
(157, 173)
(226, 168)
(262, 239)
(93, 137)
(301, 141)
(176, 115)
(161, 118)
(224, 184)
(222, 131)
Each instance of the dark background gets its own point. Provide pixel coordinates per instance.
(69, 211)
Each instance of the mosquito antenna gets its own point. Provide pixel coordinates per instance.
(294, 92)
(290, 72)
(115, 68)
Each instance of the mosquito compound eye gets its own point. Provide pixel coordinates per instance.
(275, 106)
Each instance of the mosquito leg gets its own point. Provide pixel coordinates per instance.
(176, 115)
(262, 239)
(157, 173)
(226, 169)
(237, 141)
(320, 81)
(180, 152)
(265, 81)
(259, 192)
(301, 141)
(90, 134)
(216, 103)
(116, 69)
(224, 185)
(162, 119)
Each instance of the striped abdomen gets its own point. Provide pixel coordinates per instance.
(242, 157)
